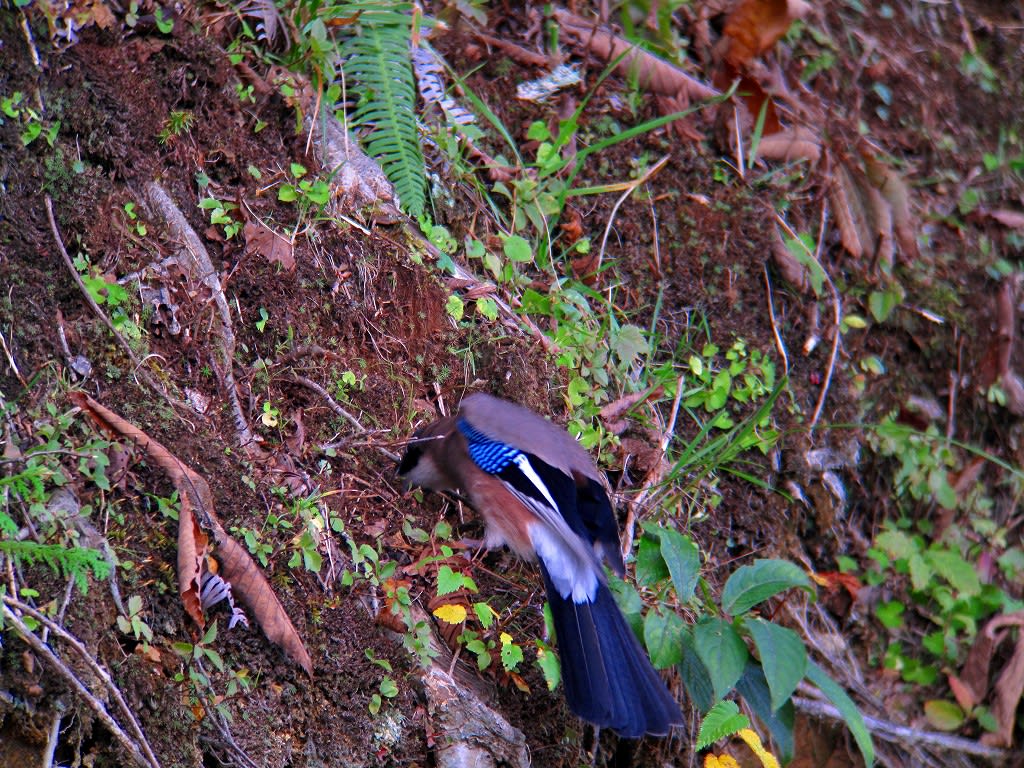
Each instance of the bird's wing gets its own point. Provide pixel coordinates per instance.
(569, 558)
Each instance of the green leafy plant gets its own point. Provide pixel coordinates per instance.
(32, 489)
(713, 655)
(133, 624)
(200, 679)
(387, 689)
(308, 193)
(178, 122)
(222, 214)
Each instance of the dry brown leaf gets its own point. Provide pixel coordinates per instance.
(250, 586)
(788, 265)
(1008, 688)
(197, 516)
(261, 239)
(881, 219)
(192, 552)
(968, 476)
(896, 193)
(849, 210)
(102, 15)
(754, 26)
(614, 414)
(964, 696)
(1008, 218)
(655, 75)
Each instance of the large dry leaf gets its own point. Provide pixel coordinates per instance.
(754, 26)
(1008, 687)
(250, 585)
(971, 686)
(197, 516)
(261, 239)
(655, 75)
(896, 193)
(192, 552)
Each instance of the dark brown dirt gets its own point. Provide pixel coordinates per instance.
(357, 302)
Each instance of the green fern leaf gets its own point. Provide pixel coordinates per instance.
(378, 66)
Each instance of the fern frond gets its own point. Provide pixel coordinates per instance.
(378, 67)
(76, 562)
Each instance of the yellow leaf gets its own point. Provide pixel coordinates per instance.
(720, 761)
(754, 742)
(506, 638)
(453, 614)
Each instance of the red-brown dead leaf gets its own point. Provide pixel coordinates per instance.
(102, 15)
(754, 26)
(251, 587)
(834, 581)
(198, 516)
(192, 551)
(572, 226)
(261, 239)
(1008, 687)
(613, 414)
(1008, 218)
(519, 682)
(964, 696)
(968, 476)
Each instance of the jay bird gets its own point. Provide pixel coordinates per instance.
(540, 493)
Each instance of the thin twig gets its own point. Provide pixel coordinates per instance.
(10, 360)
(905, 736)
(90, 700)
(837, 312)
(309, 383)
(775, 326)
(140, 369)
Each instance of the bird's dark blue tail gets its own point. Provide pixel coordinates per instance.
(608, 679)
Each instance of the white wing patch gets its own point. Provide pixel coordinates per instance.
(570, 563)
(527, 469)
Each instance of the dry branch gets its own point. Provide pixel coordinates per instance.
(909, 737)
(195, 262)
(140, 751)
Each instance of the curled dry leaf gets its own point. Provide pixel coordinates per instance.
(196, 518)
(251, 587)
(1009, 687)
(655, 75)
(788, 265)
